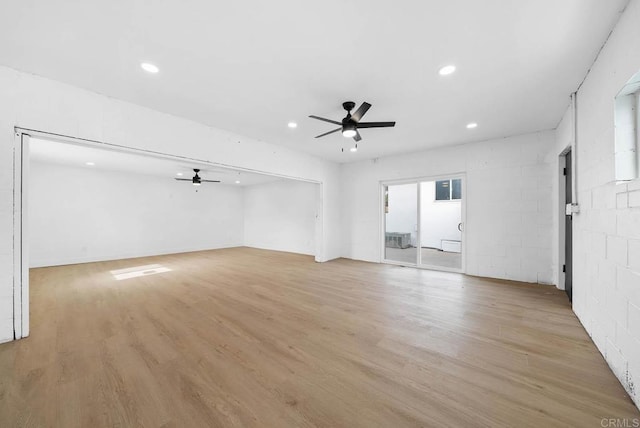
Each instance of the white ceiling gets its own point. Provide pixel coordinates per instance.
(252, 66)
(111, 160)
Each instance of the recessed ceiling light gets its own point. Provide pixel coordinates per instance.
(90, 163)
(237, 181)
(149, 67)
(179, 174)
(472, 125)
(447, 69)
(353, 149)
(292, 125)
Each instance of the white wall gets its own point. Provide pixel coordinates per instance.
(606, 232)
(80, 215)
(36, 103)
(508, 203)
(438, 219)
(281, 216)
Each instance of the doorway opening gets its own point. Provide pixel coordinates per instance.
(79, 201)
(423, 223)
(568, 224)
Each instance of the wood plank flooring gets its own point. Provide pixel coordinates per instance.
(246, 337)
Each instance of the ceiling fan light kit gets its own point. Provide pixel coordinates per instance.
(351, 122)
(349, 130)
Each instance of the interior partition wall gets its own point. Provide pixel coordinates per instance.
(423, 223)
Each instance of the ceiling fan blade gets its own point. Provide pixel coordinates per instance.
(376, 124)
(326, 120)
(357, 137)
(330, 132)
(360, 112)
(184, 179)
(211, 181)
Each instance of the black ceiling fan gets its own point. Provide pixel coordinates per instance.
(196, 180)
(351, 123)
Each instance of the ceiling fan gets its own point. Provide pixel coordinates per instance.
(351, 123)
(196, 180)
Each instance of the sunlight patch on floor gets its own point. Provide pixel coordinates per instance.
(137, 271)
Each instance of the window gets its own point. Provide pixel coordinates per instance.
(447, 190)
(456, 189)
(627, 150)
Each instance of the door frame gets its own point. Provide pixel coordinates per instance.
(463, 213)
(567, 172)
(561, 214)
(20, 232)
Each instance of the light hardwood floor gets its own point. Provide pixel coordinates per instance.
(246, 337)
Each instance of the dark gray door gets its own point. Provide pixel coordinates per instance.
(568, 253)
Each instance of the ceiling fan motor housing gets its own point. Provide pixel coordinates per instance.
(348, 125)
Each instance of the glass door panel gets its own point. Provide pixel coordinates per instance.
(441, 223)
(401, 223)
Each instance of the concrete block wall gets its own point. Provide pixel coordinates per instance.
(606, 286)
(607, 273)
(508, 203)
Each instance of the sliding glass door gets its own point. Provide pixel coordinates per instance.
(441, 223)
(424, 223)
